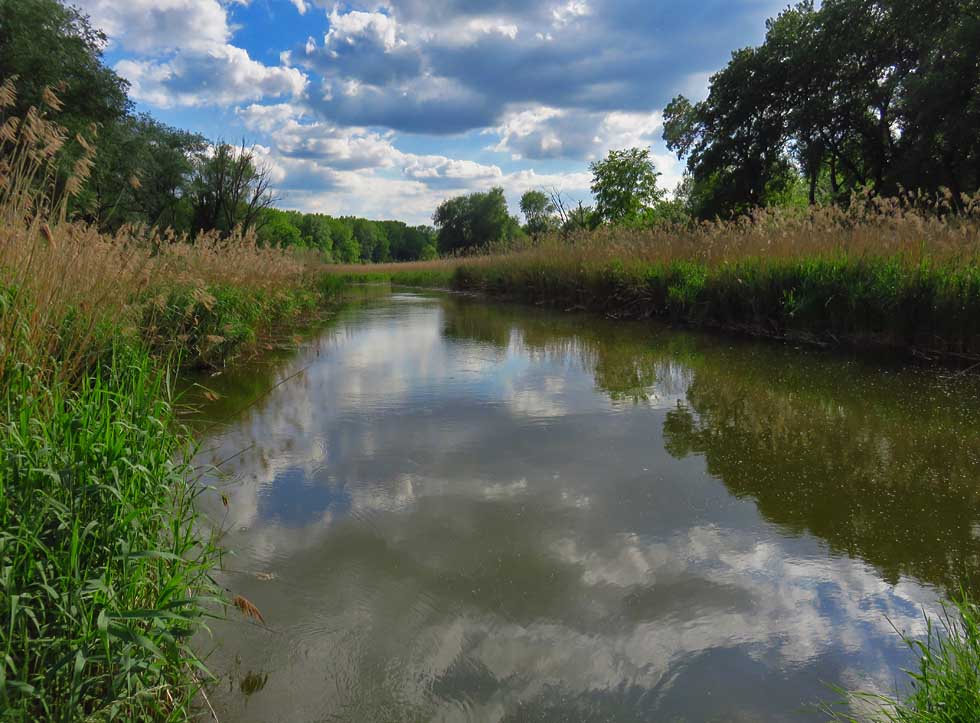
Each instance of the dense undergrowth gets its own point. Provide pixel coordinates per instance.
(104, 563)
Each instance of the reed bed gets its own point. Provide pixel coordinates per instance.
(104, 563)
(902, 273)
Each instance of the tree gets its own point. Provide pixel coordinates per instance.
(539, 212)
(856, 94)
(367, 237)
(231, 190)
(346, 250)
(278, 228)
(474, 221)
(142, 174)
(625, 186)
(317, 233)
(50, 45)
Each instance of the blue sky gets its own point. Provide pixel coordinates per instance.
(383, 108)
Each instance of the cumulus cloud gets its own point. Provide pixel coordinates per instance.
(476, 61)
(186, 55)
(152, 26)
(554, 83)
(543, 132)
(221, 75)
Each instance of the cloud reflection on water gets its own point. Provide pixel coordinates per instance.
(463, 527)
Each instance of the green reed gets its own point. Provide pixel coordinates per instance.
(945, 688)
(884, 300)
(104, 576)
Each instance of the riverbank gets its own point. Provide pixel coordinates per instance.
(888, 276)
(106, 564)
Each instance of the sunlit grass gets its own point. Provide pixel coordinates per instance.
(103, 575)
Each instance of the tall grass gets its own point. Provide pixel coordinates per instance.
(946, 686)
(103, 576)
(104, 564)
(895, 272)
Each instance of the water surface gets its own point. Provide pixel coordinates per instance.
(458, 511)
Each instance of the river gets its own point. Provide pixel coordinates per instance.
(454, 510)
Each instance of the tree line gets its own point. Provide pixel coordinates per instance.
(624, 188)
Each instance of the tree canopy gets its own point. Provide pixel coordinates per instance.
(876, 94)
(625, 186)
(539, 212)
(473, 221)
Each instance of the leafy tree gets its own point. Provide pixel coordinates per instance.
(142, 174)
(317, 233)
(231, 190)
(278, 228)
(877, 94)
(539, 212)
(47, 44)
(346, 249)
(366, 235)
(474, 221)
(625, 186)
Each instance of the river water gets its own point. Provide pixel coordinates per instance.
(453, 510)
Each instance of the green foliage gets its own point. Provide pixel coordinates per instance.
(880, 300)
(845, 96)
(49, 44)
(625, 187)
(104, 574)
(539, 212)
(477, 220)
(209, 327)
(410, 243)
(141, 175)
(346, 248)
(278, 229)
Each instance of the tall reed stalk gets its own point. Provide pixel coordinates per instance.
(104, 564)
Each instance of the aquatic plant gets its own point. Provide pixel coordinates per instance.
(104, 575)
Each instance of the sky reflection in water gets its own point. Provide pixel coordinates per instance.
(476, 512)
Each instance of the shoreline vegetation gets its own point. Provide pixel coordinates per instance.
(105, 563)
(901, 274)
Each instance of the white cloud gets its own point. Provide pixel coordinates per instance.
(221, 75)
(569, 12)
(544, 132)
(185, 54)
(153, 26)
(349, 27)
(301, 6)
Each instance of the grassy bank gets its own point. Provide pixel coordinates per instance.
(900, 274)
(104, 563)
